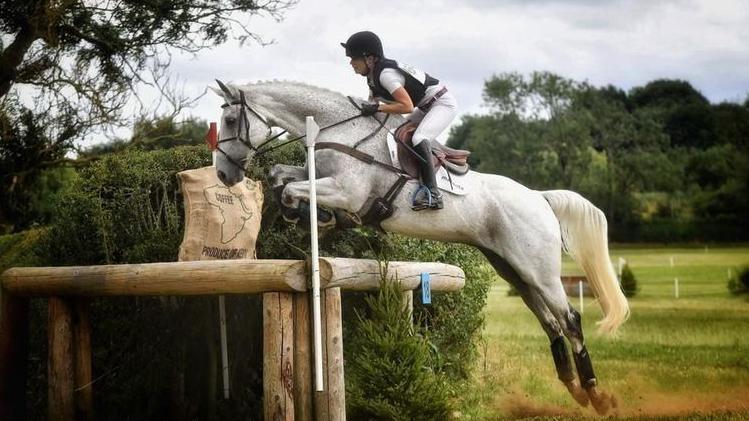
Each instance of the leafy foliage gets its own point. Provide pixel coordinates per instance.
(81, 63)
(618, 149)
(124, 207)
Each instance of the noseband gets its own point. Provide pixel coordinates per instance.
(244, 121)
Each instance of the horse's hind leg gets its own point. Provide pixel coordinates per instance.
(548, 321)
(571, 323)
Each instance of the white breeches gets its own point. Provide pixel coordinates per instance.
(434, 122)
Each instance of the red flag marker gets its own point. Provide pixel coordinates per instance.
(211, 138)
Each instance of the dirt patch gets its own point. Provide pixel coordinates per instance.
(518, 406)
(660, 404)
(523, 406)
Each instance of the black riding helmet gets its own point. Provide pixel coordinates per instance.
(364, 43)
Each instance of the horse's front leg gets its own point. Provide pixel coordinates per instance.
(279, 176)
(330, 194)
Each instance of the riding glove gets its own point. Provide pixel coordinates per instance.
(370, 108)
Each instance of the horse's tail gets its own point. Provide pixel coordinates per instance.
(585, 239)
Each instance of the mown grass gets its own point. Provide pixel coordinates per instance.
(674, 358)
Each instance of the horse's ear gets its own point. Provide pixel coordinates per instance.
(227, 92)
(217, 91)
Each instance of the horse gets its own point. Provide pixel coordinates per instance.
(522, 232)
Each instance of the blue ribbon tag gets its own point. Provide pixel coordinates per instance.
(426, 288)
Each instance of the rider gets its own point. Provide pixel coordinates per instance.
(402, 88)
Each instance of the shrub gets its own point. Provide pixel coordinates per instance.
(739, 283)
(393, 374)
(126, 208)
(628, 282)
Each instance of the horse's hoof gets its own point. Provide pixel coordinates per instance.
(346, 219)
(601, 401)
(290, 215)
(578, 393)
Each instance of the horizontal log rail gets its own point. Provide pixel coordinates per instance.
(221, 277)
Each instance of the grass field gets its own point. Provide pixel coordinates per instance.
(673, 358)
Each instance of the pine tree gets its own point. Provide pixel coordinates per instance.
(629, 282)
(390, 373)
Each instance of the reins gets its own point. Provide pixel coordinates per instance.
(261, 149)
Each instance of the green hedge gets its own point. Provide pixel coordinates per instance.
(150, 354)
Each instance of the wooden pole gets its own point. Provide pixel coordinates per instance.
(365, 275)
(303, 408)
(83, 392)
(278, 356)
(215, 277)
(14, 345)
(205, 277)
(60, 371)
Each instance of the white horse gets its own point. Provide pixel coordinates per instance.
(521, 231)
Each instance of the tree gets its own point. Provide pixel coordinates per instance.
(685, 113)
(81, 62)
(159, 133)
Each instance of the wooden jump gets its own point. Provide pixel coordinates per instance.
(287, 371)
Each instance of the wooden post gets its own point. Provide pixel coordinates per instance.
(330, 404)
(336, 389)
(321, 401)
(278, 356)
(60, 372)
(303, 409)
(83, 392)
(14, 344)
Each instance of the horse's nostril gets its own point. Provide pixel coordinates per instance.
(221, 176)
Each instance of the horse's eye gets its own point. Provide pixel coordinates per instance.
(230, 120)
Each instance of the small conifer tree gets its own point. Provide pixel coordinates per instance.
(629, 282)
(739, 283)
(390, 375)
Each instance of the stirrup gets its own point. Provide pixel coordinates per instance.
(429, 203)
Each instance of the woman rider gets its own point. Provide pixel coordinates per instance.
(403, 90)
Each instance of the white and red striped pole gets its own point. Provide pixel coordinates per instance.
(212, 139)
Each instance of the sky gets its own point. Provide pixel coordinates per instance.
(625, 43)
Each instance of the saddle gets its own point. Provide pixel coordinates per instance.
(455, 161)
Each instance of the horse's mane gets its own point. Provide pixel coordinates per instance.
(291, 83)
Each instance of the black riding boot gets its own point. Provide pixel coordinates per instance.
(428, 178)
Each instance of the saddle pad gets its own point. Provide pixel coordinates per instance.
(451, 183)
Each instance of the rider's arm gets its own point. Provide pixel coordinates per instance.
(401, 105)
(393, 81)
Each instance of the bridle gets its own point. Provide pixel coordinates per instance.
(263, 148)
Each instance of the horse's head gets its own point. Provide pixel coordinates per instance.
(241, 132)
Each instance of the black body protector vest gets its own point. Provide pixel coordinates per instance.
(416, 84)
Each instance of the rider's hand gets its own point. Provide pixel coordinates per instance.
(370, 108)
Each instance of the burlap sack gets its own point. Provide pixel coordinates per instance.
(220, 222)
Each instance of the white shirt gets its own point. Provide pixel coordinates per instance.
(392, 79)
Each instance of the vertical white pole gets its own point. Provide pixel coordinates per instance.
(312, 131)
(676, 287)
(580, 288)
(222, 328)
(672, 261)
